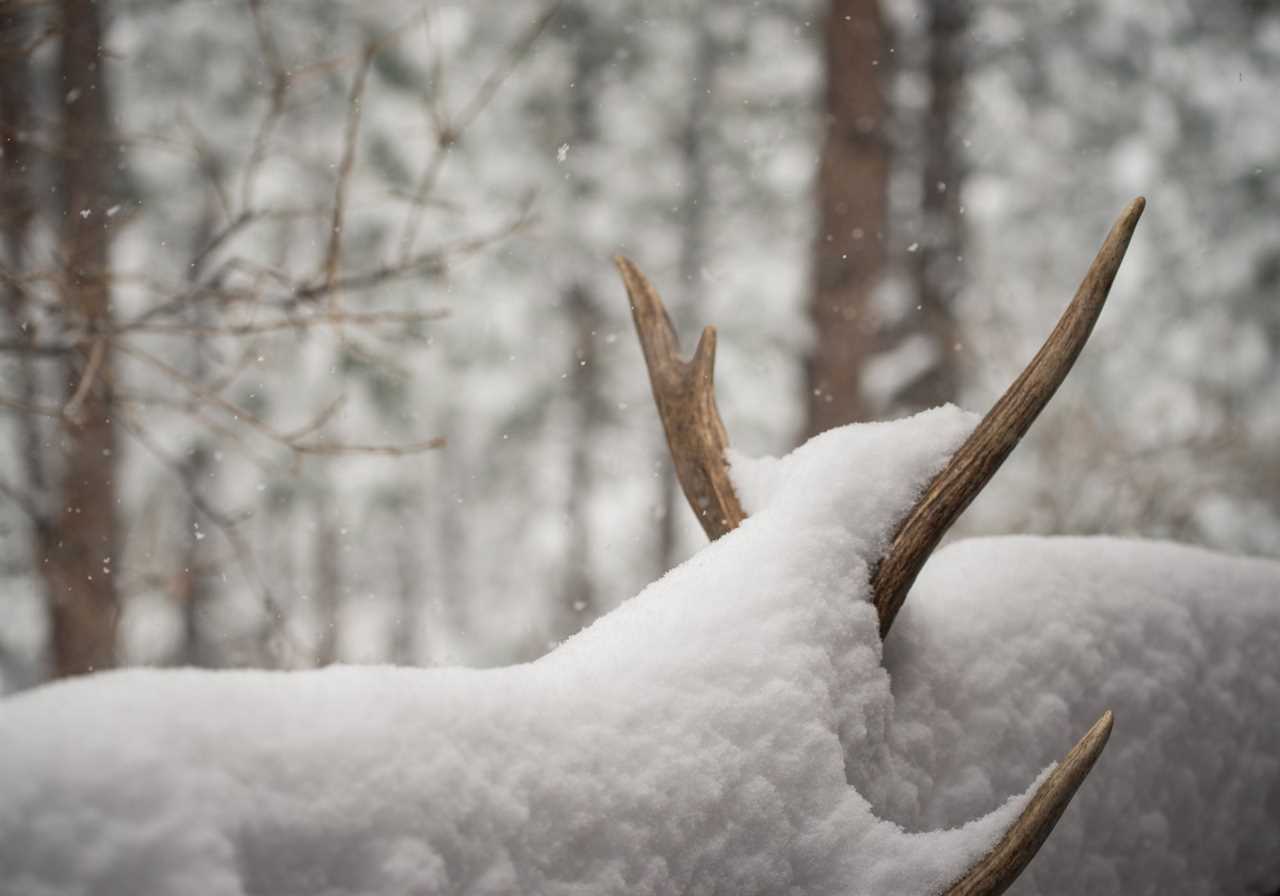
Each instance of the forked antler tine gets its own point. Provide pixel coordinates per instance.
(685, 395)
(995, 871)
(977, 460)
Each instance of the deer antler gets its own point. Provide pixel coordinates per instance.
(684, 392)
(995, 871)
(977, 460)
(685, 396)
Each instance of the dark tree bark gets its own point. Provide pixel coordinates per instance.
(195, 583)
(853, 206)
(936, 264)
(17, 214)
(193, 591)
(591, 53)
(81, 551)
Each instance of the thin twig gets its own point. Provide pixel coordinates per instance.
(26, 502)
(289, 440)
(195, 410)
(434, 261)
(19, 347)
(97, 350)
(340, 449)
(449, 132)
(346, 164)
(210, 165)
(515, 55)
(326, 414)
(280, 82)
(25, 407)
(226, 525)
(216, 242)
(353, 318)
(205, 394)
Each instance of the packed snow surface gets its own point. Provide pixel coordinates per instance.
(732, 729)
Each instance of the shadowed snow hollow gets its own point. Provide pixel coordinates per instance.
(716, 734)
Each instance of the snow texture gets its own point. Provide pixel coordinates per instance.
(732, 729)
(1007, 647)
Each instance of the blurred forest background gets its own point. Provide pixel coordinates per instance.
(260, 257)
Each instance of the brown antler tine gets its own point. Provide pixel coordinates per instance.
(658, 339)
(977, 460)
(999, 868)
(703, 363)
(685, 395)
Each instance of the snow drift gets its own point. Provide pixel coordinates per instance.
(732, 729)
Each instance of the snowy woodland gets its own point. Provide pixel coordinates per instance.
(342, 546)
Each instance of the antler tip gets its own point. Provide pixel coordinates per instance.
(998, 869)
(1101, 729)
(704, 356)
(1133, 211)
(1077, 763)
(643, 297)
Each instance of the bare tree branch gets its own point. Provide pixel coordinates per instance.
(97, 351)
(26, 502)
(355, 104)
(224, 523)
(293, 441)
(449, 132)
(280, 82)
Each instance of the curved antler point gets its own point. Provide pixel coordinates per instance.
(977, 460)
(999, 868)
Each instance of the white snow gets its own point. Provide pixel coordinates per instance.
(1007, 647)
(722, 732)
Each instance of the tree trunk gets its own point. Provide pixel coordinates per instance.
(193, 592)
(81, 551)
(936, 264)
(578, 603)
(17, 213)
(409, 578)
(326, 589)
(853, 206)
(452, 537)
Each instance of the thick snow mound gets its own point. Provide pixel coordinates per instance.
(1008, 645)
(730, 730)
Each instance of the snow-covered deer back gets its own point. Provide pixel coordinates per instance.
(734, 728)
(702, 737)
(696, 740)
